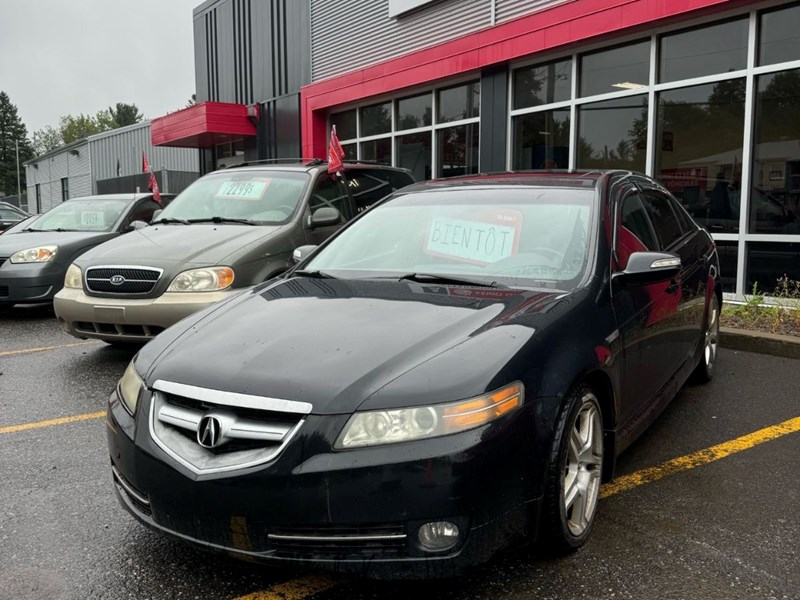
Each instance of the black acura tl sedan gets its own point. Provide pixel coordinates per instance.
(457, 368)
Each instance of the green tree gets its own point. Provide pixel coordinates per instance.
(125, 114)
(12, 132)
(46, 139)
(78, 127)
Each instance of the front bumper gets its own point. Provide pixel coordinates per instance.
(127, 319)
(482, 480)
(29, 283)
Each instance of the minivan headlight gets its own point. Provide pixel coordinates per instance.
(375, 427)
(73, 277)
(129, 387)
(34, 255)
(208, 279)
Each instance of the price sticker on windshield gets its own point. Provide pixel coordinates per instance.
(93, 218)
(491, 238)
(243, 190)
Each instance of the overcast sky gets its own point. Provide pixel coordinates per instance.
(61, 57)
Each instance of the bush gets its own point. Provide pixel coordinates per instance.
(777, 312)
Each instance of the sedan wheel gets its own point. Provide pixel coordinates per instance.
(705, 368)
(574, 475)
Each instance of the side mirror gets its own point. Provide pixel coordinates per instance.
(156, 214)
(302, 252)
(325, 216)
(136, 225)
(649, 267)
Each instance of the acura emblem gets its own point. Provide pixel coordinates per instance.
(117, 280)
(209, 432)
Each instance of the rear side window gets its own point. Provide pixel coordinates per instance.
(686, 221)
(664, 220)
(369, 186)
(330, 192)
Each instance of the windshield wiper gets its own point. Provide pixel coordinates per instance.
(222, 220)
(314, 274)
(58, 229)
(170, 220)
(434, 278)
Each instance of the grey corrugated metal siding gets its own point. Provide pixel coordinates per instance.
(71, 163)
(350, 34)
(127, 145)
(510, 9)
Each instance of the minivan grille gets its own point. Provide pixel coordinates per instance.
(122, 280)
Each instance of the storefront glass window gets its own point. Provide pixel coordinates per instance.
(414, 153)
(461, 102)
(728, 253)
(457, 150)
(543, 84)
(376, 119)
(715, 49)
(779, 36)
(345, 123)
(699, 150)
(414, 112)
(350, 151)
(541, 140)
(377, 150)
(775, 194)
(768, 263)
(613, 134)
(622, 68)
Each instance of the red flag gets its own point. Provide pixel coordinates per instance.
(145, 164)
(152, 185)
(335, 153)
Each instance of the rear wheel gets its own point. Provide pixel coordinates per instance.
(573, 477)
(708, 357)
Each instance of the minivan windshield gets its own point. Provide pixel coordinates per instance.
(254, 196)
(81, 215)
(524, 237)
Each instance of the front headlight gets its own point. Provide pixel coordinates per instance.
(202, 280)
(73, 277)
(375, 427)
(35, 255)
(129, 387)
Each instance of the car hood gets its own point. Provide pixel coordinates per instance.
(160, 245)
(14, 242)
(335, 343)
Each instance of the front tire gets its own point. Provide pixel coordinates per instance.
(704, 371)
(572, 489)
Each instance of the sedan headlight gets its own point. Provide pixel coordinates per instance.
(35, 255)
(371, 428)
(129, 387)
(73, 277)
(202, 280)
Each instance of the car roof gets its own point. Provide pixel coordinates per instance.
(576, 179)
(306, 165)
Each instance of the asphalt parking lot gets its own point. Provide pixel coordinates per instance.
(726, 528)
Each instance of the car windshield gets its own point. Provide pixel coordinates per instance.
(525, 237)
(253, 195)
(81, 215)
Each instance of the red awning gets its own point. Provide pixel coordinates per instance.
(203, 125)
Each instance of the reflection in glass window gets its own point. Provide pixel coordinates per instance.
(621, 68)
(414, 112)
(728, 263)
(345, 123)
(715, 49)
(775, 195)
(541, 140)
(350, 151)
(768, 262)
(414, 154)
(613, 134)
(779, 36)
(460, 102)
(377, 150)
(543, 84)
(376, 119)
(699, 150)
(457, 150)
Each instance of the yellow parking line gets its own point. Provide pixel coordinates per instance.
(43, 348)
(52, 422)
(701, 457)
(294, 589)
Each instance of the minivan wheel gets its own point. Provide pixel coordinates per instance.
(708, 356)
(573, 477)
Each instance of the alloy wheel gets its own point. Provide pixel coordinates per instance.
(583, 467)
(712, 335)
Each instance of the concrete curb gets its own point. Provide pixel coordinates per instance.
(786, 346)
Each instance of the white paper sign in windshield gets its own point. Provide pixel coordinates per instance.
(243, 190)
(93, 218)
(481, 241)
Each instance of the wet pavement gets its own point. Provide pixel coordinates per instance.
(724, 530)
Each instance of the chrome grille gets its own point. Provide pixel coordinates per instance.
(342, 542)
(244, 430)
(122, 279)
